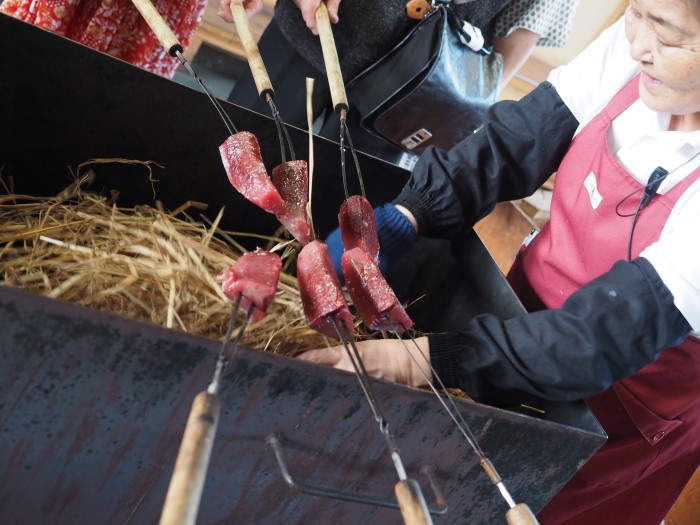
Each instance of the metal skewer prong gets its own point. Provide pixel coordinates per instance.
(414, 509)
(518, 514)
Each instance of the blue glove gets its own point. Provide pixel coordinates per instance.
(396, 237)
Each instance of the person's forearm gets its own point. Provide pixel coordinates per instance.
(516, 48)
(605, 331)
(519, 147)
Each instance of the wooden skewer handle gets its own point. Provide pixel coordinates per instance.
(521, 515)
(257, 66)
(414, 510)
(165, 36)
(185, 489)
(330, 59)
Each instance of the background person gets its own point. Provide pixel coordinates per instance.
(364, 31)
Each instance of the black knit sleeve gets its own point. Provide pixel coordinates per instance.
(605, 331)
(520, 145)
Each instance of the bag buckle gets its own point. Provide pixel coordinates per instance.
(416, 138)
(476, 39)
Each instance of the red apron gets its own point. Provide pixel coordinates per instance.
(653, 417)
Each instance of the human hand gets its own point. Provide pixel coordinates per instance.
(308, 10)
(385, 359)
(396, 231)
(252, 7)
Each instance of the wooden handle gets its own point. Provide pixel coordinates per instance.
(165, 36)
(412, 503)
(521, 515)
(185, 489)
(257, 67)
(330, 59)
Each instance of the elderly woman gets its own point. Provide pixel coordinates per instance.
(611, 283)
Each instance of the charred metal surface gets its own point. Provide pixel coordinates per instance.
(93, 406)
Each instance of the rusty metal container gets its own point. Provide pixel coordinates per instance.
(92, 405)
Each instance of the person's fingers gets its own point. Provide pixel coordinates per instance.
(333, 6)
(224, 10)
(253, 7)
(323, 356)
(308, 12)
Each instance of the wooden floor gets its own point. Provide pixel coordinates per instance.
(686, 511)
(503, 231)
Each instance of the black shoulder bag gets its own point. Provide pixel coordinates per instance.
(432, 88)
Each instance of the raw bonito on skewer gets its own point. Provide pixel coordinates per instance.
(242, 159)
(371, 295)
(251, 283)
(240, 153)
(325, 306)
(358, 226)
(254, 278)
(292, 181)
(290, 177)
(285, 195)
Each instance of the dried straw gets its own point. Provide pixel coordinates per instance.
(140, 263)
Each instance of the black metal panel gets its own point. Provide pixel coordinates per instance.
(63, 103)
(92, 406)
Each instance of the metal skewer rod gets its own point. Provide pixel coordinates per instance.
(414, 509)
(260, 76)
(170, 42)
(221, 359)
(519, 513)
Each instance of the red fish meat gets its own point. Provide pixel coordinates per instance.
(358, 226)
(254, 278)
(320, 290)
(372, 296)
(242, 159)
(292, 182)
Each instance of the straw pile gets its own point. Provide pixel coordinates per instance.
(140, 263)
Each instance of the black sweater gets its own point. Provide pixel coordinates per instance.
(368, 29)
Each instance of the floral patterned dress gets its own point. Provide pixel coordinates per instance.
(114, 27)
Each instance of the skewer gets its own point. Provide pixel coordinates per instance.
(310, 123)
(414, 509)
(260, 76)
(170, 42)
(407, 491)
(338, 95)
(519, 513)
(185, 489)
